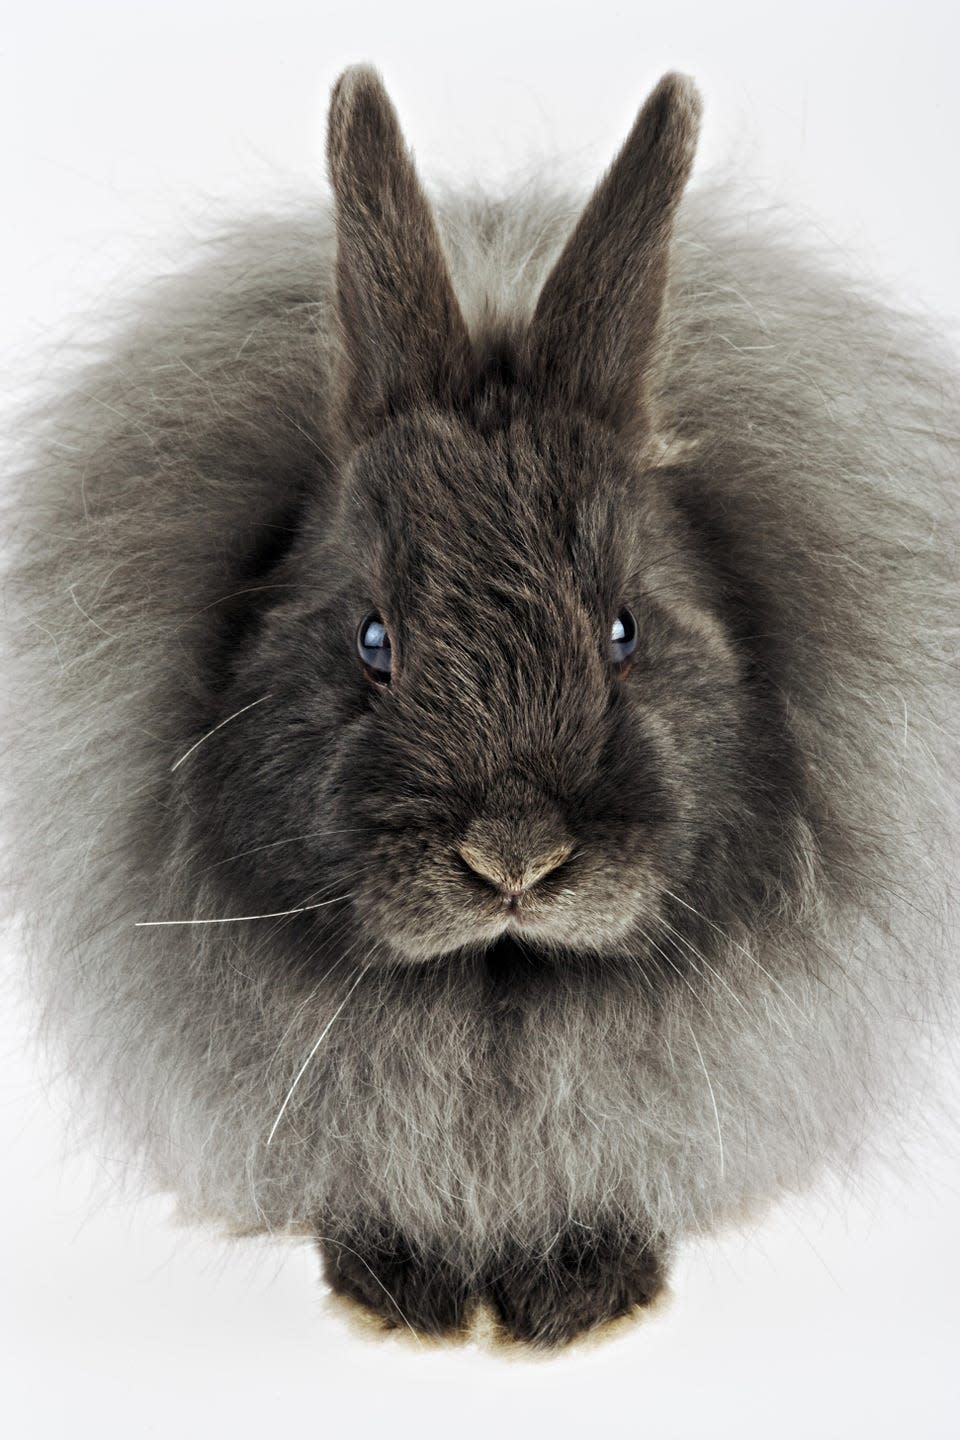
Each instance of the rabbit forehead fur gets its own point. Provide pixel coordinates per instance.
(804, 784)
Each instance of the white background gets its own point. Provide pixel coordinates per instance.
(125, 128)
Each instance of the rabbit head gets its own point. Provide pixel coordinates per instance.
(496, 697)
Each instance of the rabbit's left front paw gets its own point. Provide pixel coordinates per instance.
(588, 1277)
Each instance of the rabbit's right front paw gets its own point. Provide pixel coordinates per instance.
(401, 1285)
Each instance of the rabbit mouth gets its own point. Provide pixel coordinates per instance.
(574, 901)
(514, 911)
(524, 913)
(530, 922)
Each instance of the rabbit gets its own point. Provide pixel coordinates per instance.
(482, 788)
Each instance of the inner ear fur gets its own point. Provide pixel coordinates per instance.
(593, 332)
(403, 335)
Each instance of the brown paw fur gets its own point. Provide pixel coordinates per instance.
(586, 1279)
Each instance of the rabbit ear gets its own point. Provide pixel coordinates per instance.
(403, 335)
(594, 326)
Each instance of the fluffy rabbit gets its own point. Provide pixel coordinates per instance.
(482, 791)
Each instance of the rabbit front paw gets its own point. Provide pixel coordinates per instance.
(588, 1276)
(401, 1285)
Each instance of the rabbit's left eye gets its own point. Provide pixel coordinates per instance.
(374, 648)
(623, 637)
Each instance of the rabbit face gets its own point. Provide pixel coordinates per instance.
(514, 777)
(525, 781)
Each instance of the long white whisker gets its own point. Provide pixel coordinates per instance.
(247, 590)
(235, 919)
(272, 844)
(309, 999)
(313, 1050)
(713, 1098)
(199, 742)
(329, 1240)
(305, 902)
(742, 948)
(677, 971)
(86, 616)
(692, 950)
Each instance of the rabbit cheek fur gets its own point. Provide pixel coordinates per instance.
(730, 851)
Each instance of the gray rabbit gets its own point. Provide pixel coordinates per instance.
(483, 784)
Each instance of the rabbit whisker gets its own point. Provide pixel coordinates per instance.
(742, 948)
(235, 919)
(247, 590)
(313, 1050)
(329, 1240)
(713, 1098)
(309, 999)
(305, 904)
(676, 969)
(86, 616)
(272, 844)
(693, 951)
(243, 709)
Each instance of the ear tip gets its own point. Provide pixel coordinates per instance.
(679, 95)
(356, 85)
(358, 98)
(352, 81)
(680, 85)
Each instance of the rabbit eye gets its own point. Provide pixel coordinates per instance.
(623, 637)
(374, 649)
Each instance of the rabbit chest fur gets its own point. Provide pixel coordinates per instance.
(504, 970)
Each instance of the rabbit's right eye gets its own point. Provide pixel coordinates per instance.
(623, 639)
(374, 648)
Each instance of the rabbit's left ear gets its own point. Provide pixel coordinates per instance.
(404, 337)
(594, 327)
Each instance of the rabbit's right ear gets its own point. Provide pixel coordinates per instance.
(593, 331)
(404, 337)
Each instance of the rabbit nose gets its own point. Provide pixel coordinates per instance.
(512, 875)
